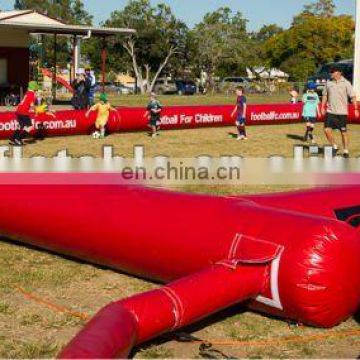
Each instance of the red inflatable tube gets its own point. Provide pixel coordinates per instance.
(71, 122)
(151, 314)
(310, 258)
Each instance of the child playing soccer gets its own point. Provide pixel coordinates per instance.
(240, 110)
(103, 109)
(23, 115)
(153, 112)
(311, 111)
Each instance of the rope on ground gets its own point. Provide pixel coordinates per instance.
(51, 305)
(276, 341)
(206, 349)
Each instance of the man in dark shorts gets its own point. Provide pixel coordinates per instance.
(335, 107)
(23, 115)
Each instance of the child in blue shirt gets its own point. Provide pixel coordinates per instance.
(311, 111)
(240, 111)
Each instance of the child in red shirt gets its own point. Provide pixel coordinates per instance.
(23, 114)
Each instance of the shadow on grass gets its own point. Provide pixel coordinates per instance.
(184, 335)
(295, 137)
(72, 258)
(357, 316)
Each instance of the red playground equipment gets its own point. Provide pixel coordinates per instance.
(292, 255)
(59, 79)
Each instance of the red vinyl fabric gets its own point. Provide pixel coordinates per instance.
(275, 250)
(127, 119)
(164, 310)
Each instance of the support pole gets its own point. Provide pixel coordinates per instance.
(357, 52)
(103, 63)
(54, 71)
(77, 44)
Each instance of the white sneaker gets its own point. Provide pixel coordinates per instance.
(153, 135)
(240, 137)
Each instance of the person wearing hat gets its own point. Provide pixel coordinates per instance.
(103, 109)
(311, 111)
(23, 115)
(153, 112)
(335, 107)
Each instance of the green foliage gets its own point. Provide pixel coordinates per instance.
(68, 11)
(71, 11)
(221, 43)
(313, 39)
(157, 31)
(267, 32)
(324, 8)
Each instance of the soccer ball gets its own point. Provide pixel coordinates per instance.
(96, 135)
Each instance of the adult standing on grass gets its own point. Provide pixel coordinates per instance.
(80, 99)
(90, 83)
(335, 108)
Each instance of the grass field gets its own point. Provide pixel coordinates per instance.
(142, 100)
(33, 281)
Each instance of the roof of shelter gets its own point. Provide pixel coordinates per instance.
(35, 22)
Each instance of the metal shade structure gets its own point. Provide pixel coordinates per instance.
(33, 22)
(71, 30)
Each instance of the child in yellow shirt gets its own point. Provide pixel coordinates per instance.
(103, 109)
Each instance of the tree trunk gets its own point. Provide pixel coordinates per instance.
(129, 46)
(171, 52)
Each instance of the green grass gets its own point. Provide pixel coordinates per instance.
(170, 100)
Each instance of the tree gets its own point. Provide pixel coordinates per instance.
(313, 39)
(267, 32)
(222, 43)
(322, 8)
(71, 11)
(159, 37)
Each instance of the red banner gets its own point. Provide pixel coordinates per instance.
(73, 122)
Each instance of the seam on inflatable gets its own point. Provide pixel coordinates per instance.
(275, 301)
(230, 264)
(178, 309)
(234, 246)
(134, 314)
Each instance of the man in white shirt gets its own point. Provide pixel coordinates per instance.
(335, 107)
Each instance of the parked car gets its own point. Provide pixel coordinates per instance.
(322, 75)
(113, 88)
(186, 87)
(165, 86)
(229, 84)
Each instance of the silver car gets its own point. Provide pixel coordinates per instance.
(164, 86)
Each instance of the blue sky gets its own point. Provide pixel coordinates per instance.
(258, 12)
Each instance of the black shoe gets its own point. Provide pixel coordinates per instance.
(346, 155)
(335, 151)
